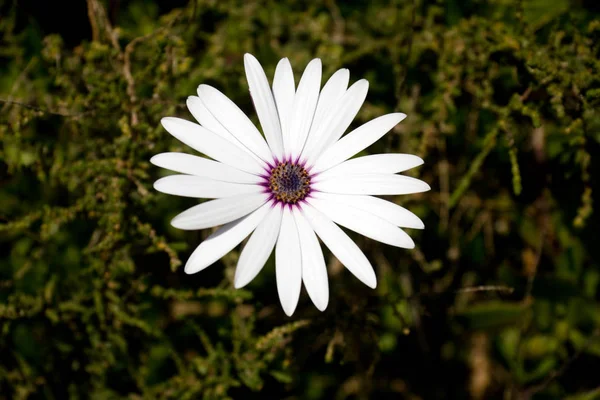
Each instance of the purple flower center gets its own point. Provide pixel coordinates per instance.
(289, 182)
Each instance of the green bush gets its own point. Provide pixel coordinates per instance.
(499, 300)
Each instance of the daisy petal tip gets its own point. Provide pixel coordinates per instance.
(238, 284)
(192, 101)
(203, 89)
(371, 281)
(409, 243)
(249, 57)
(190, 269)
(177, 223)
(164, 121)
(288, 309)
(284, 61)
(240, 281)
(158, 185)
(170, 123)
(322, 305)
(368, 278)
(154, 160)
(287, 313)
(316, 62)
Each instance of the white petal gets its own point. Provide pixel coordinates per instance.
(337, 120)
(363, 222)
(332, 91)
(381, 208)
(357, 140)
(342, 247)
(211, 144)
(206, 119)
(374, 184)
(235, 121)
(284, 90)
(258, 249)
(288, 263)
(203, 188)
(314, 271)
(305, 103)
(264, 104)
(224, 239)
(199, 166)
(373, 164)
(218, 212)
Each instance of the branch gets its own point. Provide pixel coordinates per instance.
(42, 110)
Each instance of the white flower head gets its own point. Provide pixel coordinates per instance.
(291, 186)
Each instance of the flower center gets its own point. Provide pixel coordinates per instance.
(289, 182)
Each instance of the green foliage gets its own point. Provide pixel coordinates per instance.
(499, 300)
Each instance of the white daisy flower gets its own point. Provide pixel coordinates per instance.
(298, 184)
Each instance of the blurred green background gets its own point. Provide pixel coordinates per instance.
(500, 299)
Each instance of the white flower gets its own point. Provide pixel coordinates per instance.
(298, 184)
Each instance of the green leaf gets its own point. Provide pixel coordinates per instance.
(591, 395)
(282, 377)
(493, 314)
(542, 369)
(538, 13)
(540, 345)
